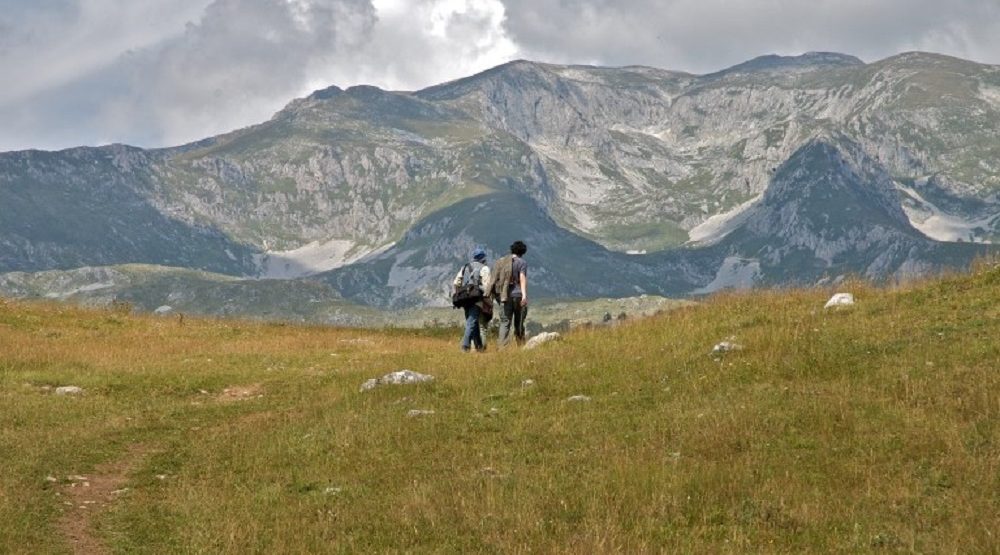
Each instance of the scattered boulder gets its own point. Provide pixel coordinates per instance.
(528, 383)
(419, 412)
(726, 346)
(399, 377)
(69, 390)
(579, 399)
(165, 309)
(543, 337)
(839, 300)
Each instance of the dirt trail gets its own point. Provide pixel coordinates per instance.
(86, 496)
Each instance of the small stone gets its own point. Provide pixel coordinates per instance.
(69, 390)
(76, 478)
(494, 411)
(543, 337)
(840, 299)
(579, 398)
(120, 491)
(332, 490)
(725, 347)
(165, 309)
(51, 479)
(528, 383)
(419, 412)
(399, 377)
(161, 476)
(492, 472)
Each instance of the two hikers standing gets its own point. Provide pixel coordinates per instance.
(507, 283)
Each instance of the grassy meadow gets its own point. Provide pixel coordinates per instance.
(871, 428)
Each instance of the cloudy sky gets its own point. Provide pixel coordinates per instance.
(164, 72)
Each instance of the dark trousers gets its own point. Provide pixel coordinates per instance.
(512, 322)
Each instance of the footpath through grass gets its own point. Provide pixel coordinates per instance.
(871, 428)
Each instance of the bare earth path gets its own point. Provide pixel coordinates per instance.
(88, 495)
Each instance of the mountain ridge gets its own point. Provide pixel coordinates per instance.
(639, 170)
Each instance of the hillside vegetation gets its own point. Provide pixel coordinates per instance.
(875, 427)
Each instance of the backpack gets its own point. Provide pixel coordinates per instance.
(471, 290)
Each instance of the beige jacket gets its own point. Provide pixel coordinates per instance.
(500, 275)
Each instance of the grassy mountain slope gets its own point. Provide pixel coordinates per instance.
(148, 288)
(420, 267)
(94, 206)
(871, 428)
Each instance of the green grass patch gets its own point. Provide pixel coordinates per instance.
(871, 428)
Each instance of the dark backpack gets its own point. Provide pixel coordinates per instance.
(471, 290)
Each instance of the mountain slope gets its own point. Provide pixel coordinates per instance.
(721, 180)
(419, 268)
(832, 210)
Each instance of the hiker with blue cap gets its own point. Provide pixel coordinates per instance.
(468, 295)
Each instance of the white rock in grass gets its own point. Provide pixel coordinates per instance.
(69, 390)
(165, 309)
(725, 347)
(840, 299)
(543, 337)
(579, 399)
(528, 383)
(419, 412)
(399, 377)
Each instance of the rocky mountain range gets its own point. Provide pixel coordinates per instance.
(623, 181)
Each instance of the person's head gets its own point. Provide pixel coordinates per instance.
(518, 248)
(479, 254)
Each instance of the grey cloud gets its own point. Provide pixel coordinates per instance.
(706, 35)
(418, 43)
(242, 60)
(238, 62)
(48, 44)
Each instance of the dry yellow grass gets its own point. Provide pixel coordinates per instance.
(871, 428)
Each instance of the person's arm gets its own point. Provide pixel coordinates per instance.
(458, 279)
(524, 288)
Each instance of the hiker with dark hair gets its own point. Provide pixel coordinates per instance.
(475, 272)
(509, 286)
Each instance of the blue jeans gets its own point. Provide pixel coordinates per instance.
(472, 336)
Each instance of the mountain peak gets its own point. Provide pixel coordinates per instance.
(832, 174)
(773, 63)
(332, 91)
(520, 71)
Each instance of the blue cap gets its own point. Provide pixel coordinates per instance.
(478, 253)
